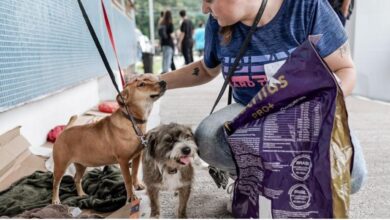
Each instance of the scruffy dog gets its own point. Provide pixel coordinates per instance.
(167, 164)
(109, 141)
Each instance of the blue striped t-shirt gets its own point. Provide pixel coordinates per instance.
(272, 43)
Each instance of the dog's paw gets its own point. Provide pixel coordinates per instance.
(132, 198)
(155, 216)
(139, 186)
(184, 215)
(82, 195)
(56, 202)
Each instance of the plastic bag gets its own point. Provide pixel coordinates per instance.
(292, 145)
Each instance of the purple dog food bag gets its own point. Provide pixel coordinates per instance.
(292, 145)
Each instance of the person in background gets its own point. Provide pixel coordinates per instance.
(343, 9)
(199, 38)
(185, 43)
(161, 16)
(174, 38)
(158, 25)
(165, 31)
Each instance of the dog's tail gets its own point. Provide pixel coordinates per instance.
(71, 121)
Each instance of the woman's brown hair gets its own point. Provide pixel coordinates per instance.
(227, 34)
(167, 19)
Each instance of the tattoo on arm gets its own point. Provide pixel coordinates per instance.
(196, 71)
(344, 50)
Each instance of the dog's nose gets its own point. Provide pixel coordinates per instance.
(163, 84)
(186, 150)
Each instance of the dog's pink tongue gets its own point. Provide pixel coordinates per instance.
(185, 160)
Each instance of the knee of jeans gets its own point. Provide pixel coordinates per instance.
(201, 138)
(209, 150)
(206, 141)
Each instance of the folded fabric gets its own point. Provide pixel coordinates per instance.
(54, 133)
(105, 189)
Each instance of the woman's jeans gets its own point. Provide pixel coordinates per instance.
(215, 150)
(167, 58)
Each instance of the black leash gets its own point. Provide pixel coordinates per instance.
(109, 70)
(239, 55)
(221, 177)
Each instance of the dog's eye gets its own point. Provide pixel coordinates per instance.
(169, 139)
(187, 136)
(141, 84)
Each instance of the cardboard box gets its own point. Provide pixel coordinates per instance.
(16, 161)
(12, 146)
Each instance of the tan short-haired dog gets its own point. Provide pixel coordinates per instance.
(109, 141)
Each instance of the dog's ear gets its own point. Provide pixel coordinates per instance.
(191, 132)
(124, 94)
(151, 137)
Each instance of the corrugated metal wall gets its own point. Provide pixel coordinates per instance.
(45, 46)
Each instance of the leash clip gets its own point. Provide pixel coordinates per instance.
(144, 142)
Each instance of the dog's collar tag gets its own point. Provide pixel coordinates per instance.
(172, 171)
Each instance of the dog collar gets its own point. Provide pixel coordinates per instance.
(137, 120)
(172, 170)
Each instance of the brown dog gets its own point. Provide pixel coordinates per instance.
(109, 141)
(167, 164)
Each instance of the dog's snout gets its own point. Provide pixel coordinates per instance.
(163, 84)
(186, 150)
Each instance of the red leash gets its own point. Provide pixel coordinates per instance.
(134, 205)
(108, 26)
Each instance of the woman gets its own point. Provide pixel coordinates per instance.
(284, 25)
(165, 31)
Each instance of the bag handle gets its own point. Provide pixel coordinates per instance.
(240, 53)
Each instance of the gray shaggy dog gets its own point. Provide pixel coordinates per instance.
(167, 165)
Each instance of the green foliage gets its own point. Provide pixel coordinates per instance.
(193, 8)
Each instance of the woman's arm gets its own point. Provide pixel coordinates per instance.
(192, 74)
(341, 63)
(345, 7)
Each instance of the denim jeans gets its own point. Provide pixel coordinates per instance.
(167, 58)
(215, 150)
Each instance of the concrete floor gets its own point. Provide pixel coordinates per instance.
(369, 119)
(371, 122)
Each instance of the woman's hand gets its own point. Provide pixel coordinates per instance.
(149, 76)
(193, 74)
